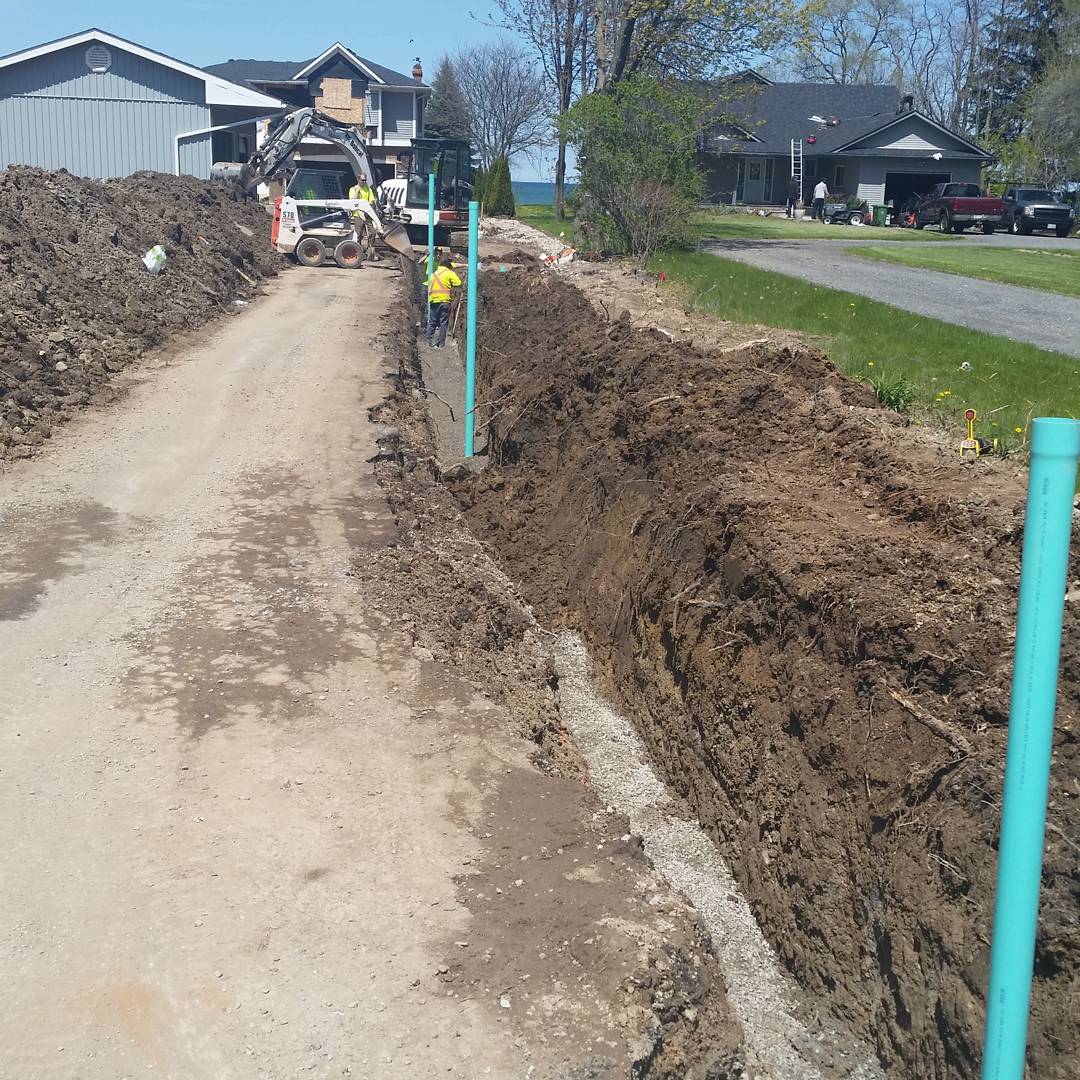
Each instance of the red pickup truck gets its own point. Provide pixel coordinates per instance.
(956, 206)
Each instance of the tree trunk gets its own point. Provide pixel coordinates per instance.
(560, 180)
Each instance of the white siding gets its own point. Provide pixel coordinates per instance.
(912, 133)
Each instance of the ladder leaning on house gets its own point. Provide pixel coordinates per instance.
(796, 164)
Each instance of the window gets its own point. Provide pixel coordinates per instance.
(243, 147)
(810, 168)
(839, 177)
(359, 89)
(755, 170)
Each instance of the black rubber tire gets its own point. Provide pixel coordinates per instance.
(1014, 226)
(349, 255)
(310, 252)
(1062, 231)
(826, 220)
(988, 230)
(944, 224)
(919, 224)
(1024, 229)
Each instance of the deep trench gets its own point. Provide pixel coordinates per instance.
(806, 613)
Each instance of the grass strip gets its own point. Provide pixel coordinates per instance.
(715, 225)
(1033, 268)
(912, 360)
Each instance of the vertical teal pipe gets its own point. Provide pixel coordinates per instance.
(430, 223)
(430, 236)
(470, 329)
(1055, 445)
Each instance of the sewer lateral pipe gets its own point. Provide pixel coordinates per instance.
(1055, 446)
(470, 329)
(430, 231)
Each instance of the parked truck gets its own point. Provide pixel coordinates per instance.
(1031, 208)
(955, 207)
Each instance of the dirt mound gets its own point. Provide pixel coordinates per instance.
(79, 305)
(808, 611)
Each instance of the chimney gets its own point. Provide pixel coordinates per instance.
(907, 103)
(418, 70)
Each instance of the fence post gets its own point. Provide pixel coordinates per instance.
(1055, 445)
(470, 329)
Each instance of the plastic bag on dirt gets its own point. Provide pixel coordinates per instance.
(154, 259)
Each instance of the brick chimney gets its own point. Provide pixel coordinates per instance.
(418, 70)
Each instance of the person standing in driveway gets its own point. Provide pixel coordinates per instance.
(793, 194)
(821, 193)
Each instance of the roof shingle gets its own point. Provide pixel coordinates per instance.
(257, 71)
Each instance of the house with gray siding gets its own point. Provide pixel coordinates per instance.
(387, 106)
(863, 141)
(101, 106)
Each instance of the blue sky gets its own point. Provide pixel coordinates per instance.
(209, 31)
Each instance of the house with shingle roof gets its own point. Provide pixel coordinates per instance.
(386, 105)
(864, 141)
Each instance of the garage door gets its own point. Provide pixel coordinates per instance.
(900, 186)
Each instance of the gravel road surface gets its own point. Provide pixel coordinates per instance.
(238, 810)
(1045, 319)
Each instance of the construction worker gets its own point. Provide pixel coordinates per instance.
(440, 286)
(362, 190)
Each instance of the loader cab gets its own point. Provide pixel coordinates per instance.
(452, 163)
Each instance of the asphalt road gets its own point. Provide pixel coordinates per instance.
(1045, 319)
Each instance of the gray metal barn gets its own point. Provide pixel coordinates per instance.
(100, 106)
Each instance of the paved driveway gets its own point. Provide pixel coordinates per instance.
(1039, 318)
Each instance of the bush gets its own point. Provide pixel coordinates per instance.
(498, 194)
(637, 173)
(479, 178)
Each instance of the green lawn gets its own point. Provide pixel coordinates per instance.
(544, 219)
(714, 225)
(1054, 269)
(913, 357)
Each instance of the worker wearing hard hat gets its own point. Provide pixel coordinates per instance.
(440, 286)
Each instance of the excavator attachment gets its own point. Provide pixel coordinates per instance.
(397, 238)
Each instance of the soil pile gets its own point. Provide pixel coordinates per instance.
(78, 303)
(808, 611)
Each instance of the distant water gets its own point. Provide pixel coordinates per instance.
(535, 192)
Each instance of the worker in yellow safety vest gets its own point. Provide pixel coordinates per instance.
(440, 286)
(362, 190)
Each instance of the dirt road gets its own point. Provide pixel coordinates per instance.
(241, 817)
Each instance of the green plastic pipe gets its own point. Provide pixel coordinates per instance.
(470, 329)
(1055, 446)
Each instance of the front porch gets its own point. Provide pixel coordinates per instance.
(739, 179)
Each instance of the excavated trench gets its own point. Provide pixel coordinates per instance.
(806, 608)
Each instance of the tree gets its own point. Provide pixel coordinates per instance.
(559, 34)
(637, 176)
(1020, 40)
(689, 39)
(507, 100)
(448, 115)
(479, 184)
(852, 41)
(1053, 106)
(498, 192)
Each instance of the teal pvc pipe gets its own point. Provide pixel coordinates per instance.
(430, 234)
(1055, 446)
(430, 223)
(470, 330)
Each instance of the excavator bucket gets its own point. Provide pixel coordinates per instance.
(397, 238)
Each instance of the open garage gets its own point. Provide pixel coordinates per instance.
(900, 186)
